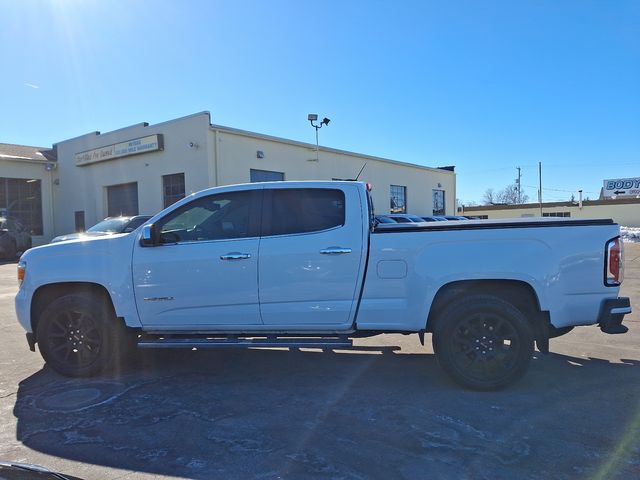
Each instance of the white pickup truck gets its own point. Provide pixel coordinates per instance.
(305, 264)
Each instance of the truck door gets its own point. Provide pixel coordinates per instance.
(310, 256)
(204, 270)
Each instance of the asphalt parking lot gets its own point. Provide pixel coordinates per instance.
(382, 411)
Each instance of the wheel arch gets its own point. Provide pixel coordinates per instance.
(517, 292)
(45, 294)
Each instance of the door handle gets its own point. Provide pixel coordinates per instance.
(235, 256)
(335, 250)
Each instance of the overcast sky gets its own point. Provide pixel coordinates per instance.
(483, 85)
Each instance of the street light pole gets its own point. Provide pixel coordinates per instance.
(317, 144)
(313, 117)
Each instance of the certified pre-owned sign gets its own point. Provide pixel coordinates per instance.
(621, 187)
(131, 147)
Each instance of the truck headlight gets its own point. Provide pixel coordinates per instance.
(22, 270)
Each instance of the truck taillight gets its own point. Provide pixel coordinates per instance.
(614, 263)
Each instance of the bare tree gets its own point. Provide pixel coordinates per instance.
(509, 195)
(489, 197)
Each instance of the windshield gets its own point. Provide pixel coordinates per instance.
(110, 225)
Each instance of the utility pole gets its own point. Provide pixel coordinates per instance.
(540, 186)
(518, 183)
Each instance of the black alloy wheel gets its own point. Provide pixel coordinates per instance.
(74, 338)
(483, 342)
(79, 335)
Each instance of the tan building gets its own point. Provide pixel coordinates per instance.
(143, 168)
(624, 211)
(26, 188)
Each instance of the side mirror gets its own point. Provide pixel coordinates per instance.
(149, 236)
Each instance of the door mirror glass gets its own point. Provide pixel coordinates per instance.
(148, 238)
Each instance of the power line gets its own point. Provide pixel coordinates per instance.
(560, 190)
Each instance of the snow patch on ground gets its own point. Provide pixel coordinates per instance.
(630, 234)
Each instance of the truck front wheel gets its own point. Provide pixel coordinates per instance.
(483, 342)
(79, 335)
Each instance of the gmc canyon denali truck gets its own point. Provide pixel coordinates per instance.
(305, 264)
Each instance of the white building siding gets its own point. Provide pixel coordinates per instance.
(627, 214)
(85, 187)
(215, 155)
(237, 155)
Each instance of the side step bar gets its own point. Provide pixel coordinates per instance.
(244, 342)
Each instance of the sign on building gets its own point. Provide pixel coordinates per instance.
(118, 150)
(622, 187)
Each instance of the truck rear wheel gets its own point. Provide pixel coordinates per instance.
(483, 342)
(79, 335)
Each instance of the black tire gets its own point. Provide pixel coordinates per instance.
(79, 335)
(483, 342)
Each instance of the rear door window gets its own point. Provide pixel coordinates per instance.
(302, 210)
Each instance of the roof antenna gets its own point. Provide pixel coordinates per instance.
(358, 176)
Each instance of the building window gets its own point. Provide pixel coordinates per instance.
(265, 176)
(438, 202)
(22, 199)
(172, 188)
(398, 199)
(79, 221)
(122, 200)
(556, 214)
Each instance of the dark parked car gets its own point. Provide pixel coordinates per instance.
(27, 471)
(433, 219)
(108, 226)
(14, 238)
(384, 219)
(405, 218)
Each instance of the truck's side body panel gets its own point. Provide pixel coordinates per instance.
(564, 266)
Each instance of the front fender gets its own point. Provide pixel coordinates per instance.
(104, 261)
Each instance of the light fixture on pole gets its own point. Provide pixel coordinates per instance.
(313, 117)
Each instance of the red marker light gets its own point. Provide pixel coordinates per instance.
(614, 266)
